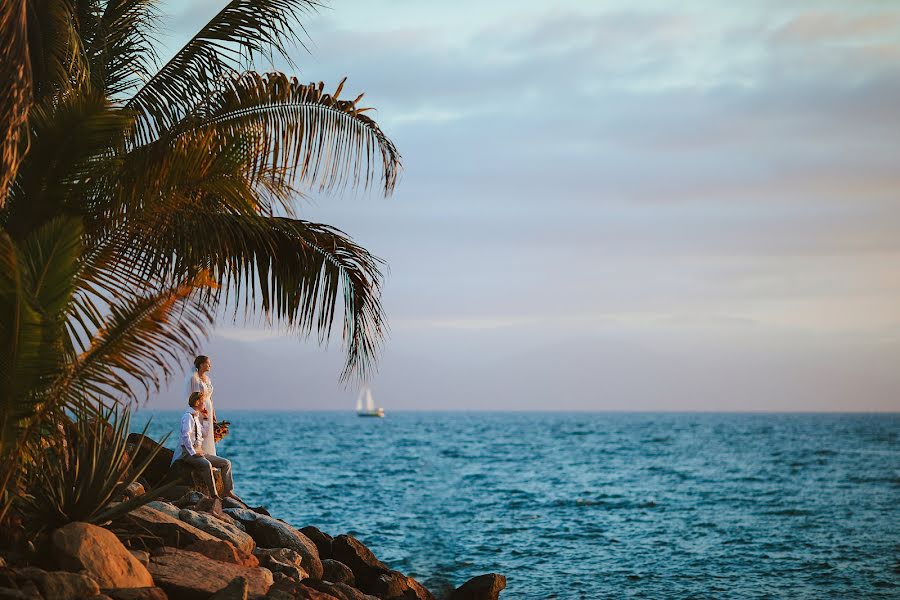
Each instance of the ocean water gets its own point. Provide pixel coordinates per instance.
(592, 505)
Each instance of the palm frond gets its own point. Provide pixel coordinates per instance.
(322, 140)
(121, 50)
(141, 342)
(226, 44)
(15, 94)
(292, 271)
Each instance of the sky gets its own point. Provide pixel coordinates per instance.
(608, 205)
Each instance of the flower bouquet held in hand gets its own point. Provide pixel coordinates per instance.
(220, 429)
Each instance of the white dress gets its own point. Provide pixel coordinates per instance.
(196, 384)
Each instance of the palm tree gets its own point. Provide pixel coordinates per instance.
(143, 199)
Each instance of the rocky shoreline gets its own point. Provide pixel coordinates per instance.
(183, 545)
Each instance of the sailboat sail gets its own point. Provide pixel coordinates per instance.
(365, 404)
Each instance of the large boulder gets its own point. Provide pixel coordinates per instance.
(86, 547)
(321, 539)
(483, 587)
(58, 585)
(289, 589)
(373, 576)
(337, 572)
(282, 560)
(341, 591)
(140, 447)
(272, 533)
(224, 551)
(186, 575)
(237, 589)
(218, 528)
(173, 532)
(164, 507)
(147, 593)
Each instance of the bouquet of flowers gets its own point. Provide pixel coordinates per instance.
(220, 429)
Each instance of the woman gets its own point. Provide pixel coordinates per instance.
(199, 381)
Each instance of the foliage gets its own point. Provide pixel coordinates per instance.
(138, 199)
(82, 469)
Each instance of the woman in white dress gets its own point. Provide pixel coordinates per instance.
(199, 381)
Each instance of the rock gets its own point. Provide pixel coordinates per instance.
(164, 507)
(483, 587)
(282, 560)
(261, 510)
(146, 593)
(14, 594)
(134, 490)
(210, 505)
(142, 556)
(243, 515)
(139, 447)
(219, 529)
(186, 575)
(289, 589)
(341, 591)
(236, 590)
(59, 585)
(82, 546)
(272, 533)
(229, 502)
(373, 576)
(189, 499)
(174, 493)
(172, 532)
(224, 551)
(337, 572)
(321, 539)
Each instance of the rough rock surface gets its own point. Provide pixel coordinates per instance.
(142, 556)
(210, 505)
(282, 560)
(272, 533)
(186, 575)
(82, 546)
(146, 593)
(224, 551)
(321, 539)
(164, 507)
(236, 589)
(373, 576)
(140, 446)
(341, 591)
(172, 531)
(218, 528)
(289, 589)
(58, 585)
(337, 572)
(483, 587)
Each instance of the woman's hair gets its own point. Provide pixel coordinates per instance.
(194, 399)
(199, 361)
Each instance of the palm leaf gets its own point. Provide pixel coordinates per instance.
(323, 140)
(292, 271)
(226, 44)
(15, 94)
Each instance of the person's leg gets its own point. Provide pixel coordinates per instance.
(204, 467)
(224, 465)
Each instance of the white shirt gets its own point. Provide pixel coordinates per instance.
(191, 434)
(192, 384)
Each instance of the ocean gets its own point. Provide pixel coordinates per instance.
(591, 505)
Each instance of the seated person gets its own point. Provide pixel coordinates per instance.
(190, 450)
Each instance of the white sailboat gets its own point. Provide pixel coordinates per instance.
(365, 404)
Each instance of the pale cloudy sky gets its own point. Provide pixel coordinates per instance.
(648, 205)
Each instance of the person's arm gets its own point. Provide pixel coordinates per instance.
(186, 431)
